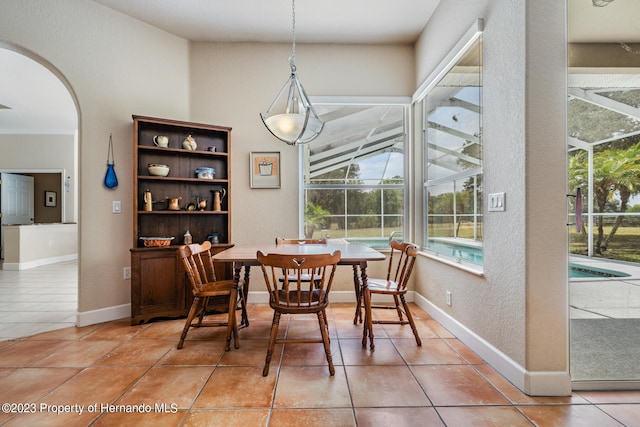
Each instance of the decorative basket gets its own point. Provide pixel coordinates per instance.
(156, 242)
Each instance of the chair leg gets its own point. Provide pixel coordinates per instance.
(368, 320)
(231, 321)
(195, 307)
(410, 318)
(398, 309)
(272, 342)
(205, 302)
(325, 340)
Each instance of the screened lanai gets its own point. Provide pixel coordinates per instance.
(603, 137)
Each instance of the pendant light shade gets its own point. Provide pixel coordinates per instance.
(291, 118)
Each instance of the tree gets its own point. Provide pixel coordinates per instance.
(616, 172)
(314, 219)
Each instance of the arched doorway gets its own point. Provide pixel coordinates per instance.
(39, 123)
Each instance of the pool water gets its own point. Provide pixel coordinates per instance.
(577, 270)
(474, 255)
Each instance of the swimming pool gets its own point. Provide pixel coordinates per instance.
(577, 270)
(474, 255)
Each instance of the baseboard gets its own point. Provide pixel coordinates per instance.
(532, 383)
(16, 266)
(605, 385)
(102, 315)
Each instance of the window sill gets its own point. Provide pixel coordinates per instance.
(454, 262)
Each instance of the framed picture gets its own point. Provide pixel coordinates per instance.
(265, 169)
(50, 199)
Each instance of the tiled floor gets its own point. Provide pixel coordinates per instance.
(38, 299)
(139, 369)
(440, 383)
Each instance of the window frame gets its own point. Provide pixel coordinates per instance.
(405, 103)
(462, 47)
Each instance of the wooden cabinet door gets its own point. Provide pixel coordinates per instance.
(157, 284)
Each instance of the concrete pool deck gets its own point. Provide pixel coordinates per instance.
(605, 297)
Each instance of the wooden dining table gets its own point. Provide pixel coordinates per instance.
(355, 255)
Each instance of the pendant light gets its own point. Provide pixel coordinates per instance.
(291, 118)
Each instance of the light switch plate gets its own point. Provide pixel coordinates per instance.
(497, 202)
(117, 207)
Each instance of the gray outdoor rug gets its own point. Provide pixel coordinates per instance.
(605, 349)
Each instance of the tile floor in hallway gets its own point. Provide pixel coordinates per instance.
(38, 299)
(139, 368)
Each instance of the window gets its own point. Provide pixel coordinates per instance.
(452, 144)
(353, 174)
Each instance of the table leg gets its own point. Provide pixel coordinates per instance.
(364, 295)
(356, 285)
(237, 268)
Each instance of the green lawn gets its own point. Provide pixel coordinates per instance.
(624, 246)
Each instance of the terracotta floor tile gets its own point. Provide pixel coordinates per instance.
(310, 354)
(568, 416)
(169, 330)
(439, 329)
(464, 351)
(259, 330)
(311, 387)
(94, 386)
(312, 418)
(118, 329)
(627, 414)
(237, 387)
(170, 385)
(136, 353)
(227, 418)
(395, 385)
(346, 329)
(398, 417)
(28, 385)
(433, 351)
(52, 419)
(65, 334)
(417, 312)
(78, 353)
(148, 419)
(404, 331)
(456, 385)
(630, 396)
(202, 353)
(385, 353)
(260, 312)
(517, 397)
(251, 353)
(24, 353)
(374, 386)
(486, 416)
(306, 329)
(341, 311)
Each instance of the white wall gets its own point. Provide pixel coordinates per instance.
(34, 153)
(516, 315)
(115, 67)
(231, 83)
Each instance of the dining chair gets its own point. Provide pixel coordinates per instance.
(287, 241)
(199, 266)
(401, 261)
(297, 296)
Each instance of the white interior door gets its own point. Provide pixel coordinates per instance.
(16, 201)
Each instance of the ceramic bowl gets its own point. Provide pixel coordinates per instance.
(205, 173)
(157, 169)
